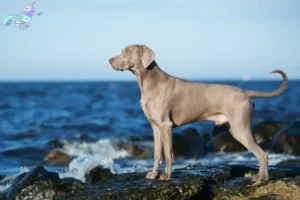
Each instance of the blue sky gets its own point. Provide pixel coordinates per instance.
(193, 39)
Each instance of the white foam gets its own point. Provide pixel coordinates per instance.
(91, 155)
(104, 148)
(3, 188)
(276, 158)
(7, 181)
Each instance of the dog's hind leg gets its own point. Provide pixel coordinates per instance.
(244, 136)
(240, 128)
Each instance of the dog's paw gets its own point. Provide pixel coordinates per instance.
(259, 178)
(151, 175)
(256, 183)
(164, 177)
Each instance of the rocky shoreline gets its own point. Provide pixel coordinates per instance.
(192, 182)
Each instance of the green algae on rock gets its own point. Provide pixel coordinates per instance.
(185, 184)
(195, 182)
(192, 182)
(284, 184)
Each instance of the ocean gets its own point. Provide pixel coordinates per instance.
(90, 119)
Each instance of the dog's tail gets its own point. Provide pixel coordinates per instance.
(253, 94)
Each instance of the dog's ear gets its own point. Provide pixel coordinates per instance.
(147, 56)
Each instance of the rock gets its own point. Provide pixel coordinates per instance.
(57, 158)
(195, 182)
(196, 142)
(135, 151)
(288, 162)
(98, 174)
(56, 143)
(220, 129)
(287, 140)
(1, 177)
(296, 123)
(264, 132)
(189, 144)
(180, 146)
(206, 137)
(280, 188)
(39, 184)
(140, 138)
(192, 182)
(185, 184)
(224, 142)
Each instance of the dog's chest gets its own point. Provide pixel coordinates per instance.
(146, 108)
(152, 109)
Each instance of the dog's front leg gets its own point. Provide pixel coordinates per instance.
(157, 151)
(166, 132)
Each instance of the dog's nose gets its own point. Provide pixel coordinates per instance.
(111, 60)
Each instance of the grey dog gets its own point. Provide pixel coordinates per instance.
(168, 102)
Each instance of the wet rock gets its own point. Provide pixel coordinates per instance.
(135, 151)
(206, 137)
(185, 184)
(3, 197)
(189, 144)
(224, 142)
(289, 163)
(296, 124)
(287, 140)
(39, 184)
(192, 182)
(98, 174)
(286, 186)
(57, 158)
(196, 182)
(264, 132)
(56, 143)
(140, 138)
(220, 129)
(180, 146)
(1, 177)
(196, 142)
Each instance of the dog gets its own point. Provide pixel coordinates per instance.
(169, 102)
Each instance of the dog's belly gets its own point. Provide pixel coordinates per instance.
(218, 118)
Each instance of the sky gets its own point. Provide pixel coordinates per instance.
(192, 39)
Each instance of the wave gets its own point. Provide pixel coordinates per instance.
(90, 155)
(7, 181)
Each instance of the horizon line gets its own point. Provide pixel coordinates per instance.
(133, 80)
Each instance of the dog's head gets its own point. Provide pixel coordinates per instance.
(133, 57)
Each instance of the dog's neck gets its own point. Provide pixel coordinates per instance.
(150, 77)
